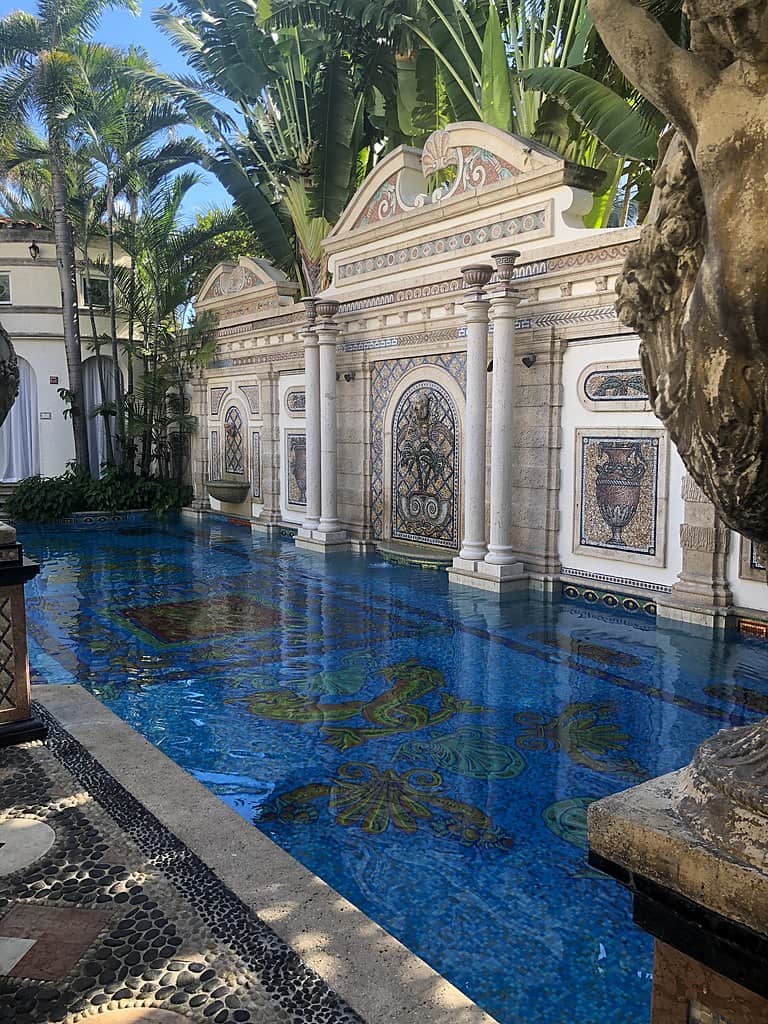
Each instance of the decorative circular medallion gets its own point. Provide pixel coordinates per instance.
(23, 841)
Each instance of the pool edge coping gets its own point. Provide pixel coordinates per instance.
(373, 972)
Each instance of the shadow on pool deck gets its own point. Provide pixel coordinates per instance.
(155, 894)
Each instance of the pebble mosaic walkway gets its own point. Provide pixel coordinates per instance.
(109, 913)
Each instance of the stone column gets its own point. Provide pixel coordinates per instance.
(701, 594)
(474, 546)
(312, 393)
(329, 532)
(501, 562)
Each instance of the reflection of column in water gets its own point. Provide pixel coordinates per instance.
(486, 664)
(555, 622)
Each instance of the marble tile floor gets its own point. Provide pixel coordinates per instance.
(132, 928)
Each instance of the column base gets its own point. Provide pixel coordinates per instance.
(494, 579)
(670, 611)
(322, 541)
(25, 731)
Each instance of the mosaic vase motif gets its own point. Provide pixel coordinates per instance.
(617, 485)
(424, 467)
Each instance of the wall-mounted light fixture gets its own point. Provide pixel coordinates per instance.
(34, 250)
(348, 377)
(529, 360)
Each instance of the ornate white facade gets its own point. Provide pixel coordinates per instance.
(494, 421)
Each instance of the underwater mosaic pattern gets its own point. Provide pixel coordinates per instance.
(425, 467)
(617, 504)
(385, 376)
(429, 753)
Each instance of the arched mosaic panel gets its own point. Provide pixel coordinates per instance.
(425, 467)
(233, 442)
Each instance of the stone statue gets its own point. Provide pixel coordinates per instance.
(9, 375)
(695, 287)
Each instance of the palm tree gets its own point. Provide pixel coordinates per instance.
(41, 80)
(125, 133)
(295, 113)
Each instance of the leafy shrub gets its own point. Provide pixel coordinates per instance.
(43, 499)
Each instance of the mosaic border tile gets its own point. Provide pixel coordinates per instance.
(619, 581)
(627, 602)
(295, 987)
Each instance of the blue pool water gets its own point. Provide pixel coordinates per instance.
(427, 751)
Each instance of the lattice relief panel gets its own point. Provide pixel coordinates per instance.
(8, 697)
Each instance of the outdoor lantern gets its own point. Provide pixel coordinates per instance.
(34, 250)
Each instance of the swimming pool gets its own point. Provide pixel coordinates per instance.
(427, 751)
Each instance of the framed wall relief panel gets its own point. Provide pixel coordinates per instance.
(751, 565)
(296, 402)
(613, 387)
(215, 469)
(251, 394)
(215, 398)
(296, 469)
(234, 442)
(256, 465)
(620, 508)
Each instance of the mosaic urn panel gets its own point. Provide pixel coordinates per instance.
(296, 468)
(425, 467)
(621, 495)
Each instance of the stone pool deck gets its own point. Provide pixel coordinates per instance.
(128, 890)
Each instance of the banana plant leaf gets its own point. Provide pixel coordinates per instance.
(334, 116)
(496, 95)
(616, 124)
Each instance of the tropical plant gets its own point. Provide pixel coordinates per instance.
(41, 80)
(294, 111)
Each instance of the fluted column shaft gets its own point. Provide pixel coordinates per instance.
(327, 334)
(474, 544)
(504, 303)
(312, 403)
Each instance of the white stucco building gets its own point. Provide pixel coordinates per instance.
(36, 437)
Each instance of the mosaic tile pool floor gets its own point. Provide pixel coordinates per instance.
(428, 752)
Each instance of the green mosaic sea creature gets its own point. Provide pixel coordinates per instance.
(374, 800)
(393, 711)
(339, 682)
(585, 732)
(467, 751)
(568, 820)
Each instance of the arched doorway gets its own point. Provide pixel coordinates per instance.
(425, 466)
(20, 434)
(92, 395)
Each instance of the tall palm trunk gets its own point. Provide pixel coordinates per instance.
(67, 267)
(119, 403)
(99, 359)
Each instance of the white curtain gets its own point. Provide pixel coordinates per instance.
(19, 435)
(97, 436)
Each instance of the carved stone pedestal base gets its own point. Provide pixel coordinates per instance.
(686, 992)
(22, 732)
(324, 544)
(692, 848)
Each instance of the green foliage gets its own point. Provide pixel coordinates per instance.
(44, 499)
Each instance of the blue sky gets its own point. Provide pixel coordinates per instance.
(118, 28)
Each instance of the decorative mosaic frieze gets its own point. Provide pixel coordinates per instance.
(535, 224)
(296, 468)
(620, 508)
(296, 401)
(425, 467)
(256, 359)
(234, 444)
(256, 464)
(617, 581)
(251, 393)
(215, 456)
(384, 204)
(217, 396)
(623, 602)
(613, 387)
(385, 376)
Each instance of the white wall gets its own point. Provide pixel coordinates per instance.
(577, 357)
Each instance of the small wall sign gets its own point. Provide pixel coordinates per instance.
(53, 380)
(46, 416)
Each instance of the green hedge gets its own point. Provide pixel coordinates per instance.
(42, 499)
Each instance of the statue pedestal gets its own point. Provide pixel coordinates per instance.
(692, 848)
(16, 723)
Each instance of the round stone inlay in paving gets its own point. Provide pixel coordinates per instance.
(22, 841)
(141, 1015)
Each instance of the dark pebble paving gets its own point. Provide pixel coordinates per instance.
(140, 953)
